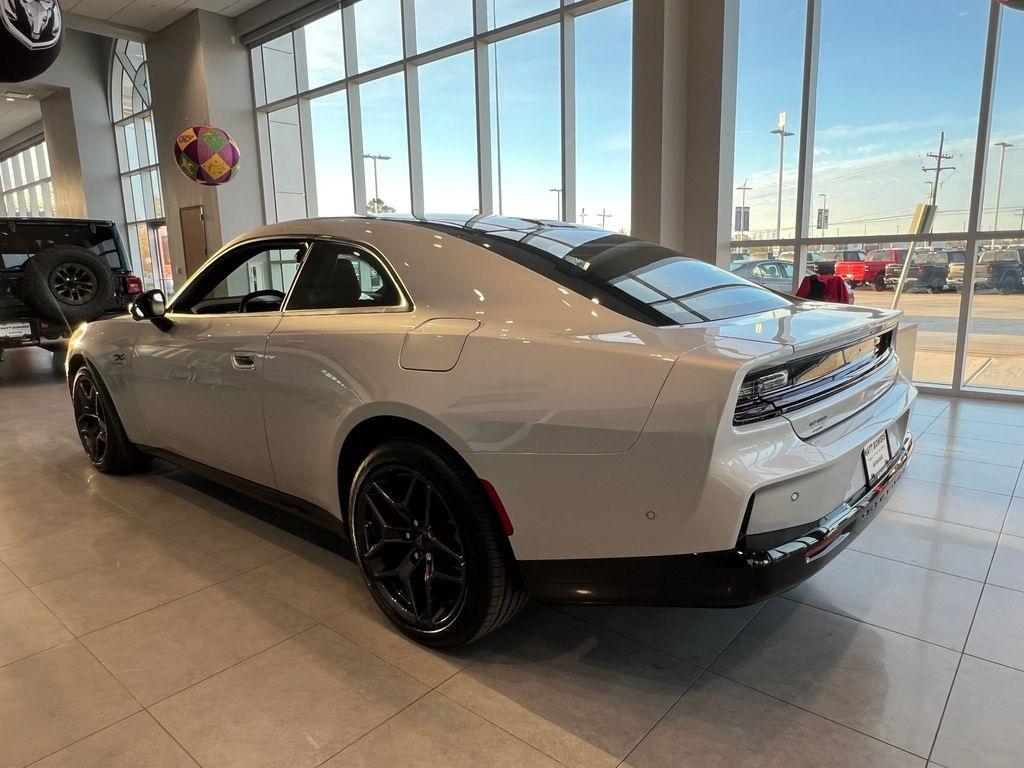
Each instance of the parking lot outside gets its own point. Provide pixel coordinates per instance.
(995, 347)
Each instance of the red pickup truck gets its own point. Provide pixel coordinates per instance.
(871, 269)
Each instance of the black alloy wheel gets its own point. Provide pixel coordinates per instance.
(73, 284)
(90, 418)
(410, 547)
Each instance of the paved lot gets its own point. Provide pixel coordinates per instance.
(995, 351)
(161, 621)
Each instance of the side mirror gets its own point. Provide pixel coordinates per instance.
(150, 305)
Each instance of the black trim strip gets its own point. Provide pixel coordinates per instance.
(283, 501)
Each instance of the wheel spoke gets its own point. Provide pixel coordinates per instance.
(406, 525)
(442, 547)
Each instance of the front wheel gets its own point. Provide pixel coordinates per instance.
(428, 543)
(103, 437)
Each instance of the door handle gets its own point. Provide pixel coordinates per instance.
(243, 361)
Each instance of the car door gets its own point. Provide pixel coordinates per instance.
(337, 347)
(197, 379)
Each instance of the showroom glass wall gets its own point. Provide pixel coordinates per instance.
(132, 116)
(850, 122)
(516, 107)
(25, 185)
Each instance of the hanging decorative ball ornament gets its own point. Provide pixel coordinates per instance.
(207, 154)
(31, 33)
(1017, 5)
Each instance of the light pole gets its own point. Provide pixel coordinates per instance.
(583, 215)
(824, 207)
(743, 189)
(782, 134)
(558, 199)
(376, 189)
(1003, 146)
(604, 215)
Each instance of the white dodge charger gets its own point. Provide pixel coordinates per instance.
(492, 408)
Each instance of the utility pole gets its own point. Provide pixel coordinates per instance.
(938, 169)
(782, 134)
(583, 215)
(743, 189)
(604, 215)
(1003, 146)
(376, 187)
(558, 198)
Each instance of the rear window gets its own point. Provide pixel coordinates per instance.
(882, 256)
(22, 239)
(990, 256)
(931, 258)
(648, 282)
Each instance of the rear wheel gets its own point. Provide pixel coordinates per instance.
(100, 430)
(1010, 284)
(429, 546)
(879, 283)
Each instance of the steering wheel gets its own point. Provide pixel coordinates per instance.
(243, 305)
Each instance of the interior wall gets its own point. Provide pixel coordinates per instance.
(199, 73)
(65, 161)
(78, 132)
(684, 94)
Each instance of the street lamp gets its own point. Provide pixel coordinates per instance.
(782, 134)
(824, 207)
(1003, 146)
(376, 188)
(558, 202)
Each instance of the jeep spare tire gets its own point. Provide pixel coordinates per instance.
(67, 283)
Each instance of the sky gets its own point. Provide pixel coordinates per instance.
(525, 85)
(892, 75)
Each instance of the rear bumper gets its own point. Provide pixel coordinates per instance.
(714, 579)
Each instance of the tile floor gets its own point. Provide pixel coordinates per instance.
(162, 621)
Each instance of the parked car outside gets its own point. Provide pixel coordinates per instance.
(56, 274)
(871, 270)
(998, 269)
(518, 408)
(928, 270)
(777, 275)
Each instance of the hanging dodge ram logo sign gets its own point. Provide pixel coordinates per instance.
(31, 32)
(33, 23)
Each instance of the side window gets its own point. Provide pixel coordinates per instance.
(341, 276)
(759, 272)
(253, 278)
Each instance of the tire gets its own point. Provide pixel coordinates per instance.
(103, 437)
(67, 284)
(936, 289)
(397, 542)
(879, 283)
(1009, 285)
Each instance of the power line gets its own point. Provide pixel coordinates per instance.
(938, 169)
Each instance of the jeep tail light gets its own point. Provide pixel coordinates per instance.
(132, 285)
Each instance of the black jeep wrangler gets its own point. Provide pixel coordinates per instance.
(56, 274)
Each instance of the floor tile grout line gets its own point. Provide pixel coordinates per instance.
(81, 739)
(970, 628)
(232, 665)
(853, 548)
(947, 522)
(842, 615)
(696, 679)
(802, 708)
(501, 728)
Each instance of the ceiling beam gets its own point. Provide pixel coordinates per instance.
(105, 28)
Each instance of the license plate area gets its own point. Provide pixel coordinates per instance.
(15, 330)
(876, 456)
